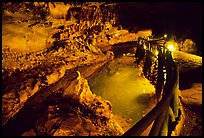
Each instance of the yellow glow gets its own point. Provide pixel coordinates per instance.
(145, 47)
(165, 35)
(171, 47)
(156, 52)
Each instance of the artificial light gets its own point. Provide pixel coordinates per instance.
(171, 47)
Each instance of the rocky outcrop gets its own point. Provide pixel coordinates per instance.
(186, 61)
(16, 91)
(58, 10)
(188, 46)
(99, 109)
(65, 108)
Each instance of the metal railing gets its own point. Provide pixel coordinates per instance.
(165, 113)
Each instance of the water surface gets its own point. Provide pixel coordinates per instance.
(129, 92)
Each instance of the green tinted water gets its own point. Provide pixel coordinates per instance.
(120, 83)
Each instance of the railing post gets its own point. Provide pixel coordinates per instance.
(164, 127)
(162, 112)
(157, 125)
(175, 96)
(175, 100)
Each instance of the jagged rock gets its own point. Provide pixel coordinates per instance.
(58, 10)
(100, 109)
(54, 77)
(98, 122)
(13, 101)
(188, 46)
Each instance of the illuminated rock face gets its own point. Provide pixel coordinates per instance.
(188, 46)
(58, 10)
(37, 53)
(187, 62)
(17, 91)
(34, 35)
(99, 109)
(79, 90)
(83, 114)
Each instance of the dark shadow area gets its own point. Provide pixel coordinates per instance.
(121, 48)
(188, 78)
(25, 118)
(193, 121)
(194, 107)
(143, 99)
(23, 121)
(182, 19)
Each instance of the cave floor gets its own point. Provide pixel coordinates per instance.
(192, 104)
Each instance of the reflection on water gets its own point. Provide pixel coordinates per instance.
(120, 83)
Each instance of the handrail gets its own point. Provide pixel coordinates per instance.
(142, 125)
(159, 111)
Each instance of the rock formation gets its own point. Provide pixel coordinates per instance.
(42, 92)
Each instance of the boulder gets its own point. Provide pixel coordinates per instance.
(58, 10)
(188, 46)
